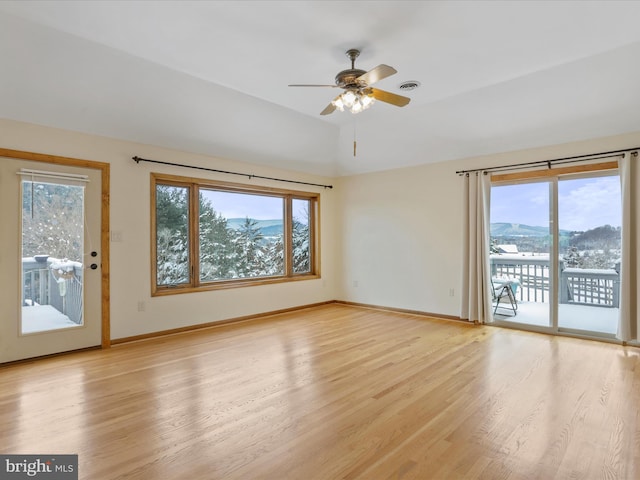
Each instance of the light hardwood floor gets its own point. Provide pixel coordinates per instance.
(334, 392)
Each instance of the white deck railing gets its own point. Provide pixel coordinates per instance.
(41, 286)
(595, 287)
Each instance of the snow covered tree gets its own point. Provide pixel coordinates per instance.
(217, 256)
(572, 258)
(53, 220)
(301, 247)
(274, 256)
(173, 258)
(251, 258)
(172, 234)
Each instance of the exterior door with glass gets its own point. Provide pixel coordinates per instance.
(50, 275)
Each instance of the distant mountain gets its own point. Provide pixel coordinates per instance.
(269, 228)
(517, 230)
(537, 240)
(602, 237)
(521, 230)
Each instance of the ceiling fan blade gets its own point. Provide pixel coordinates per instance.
(376, 74)
(388, 97)
(310, 85)
(329, 109)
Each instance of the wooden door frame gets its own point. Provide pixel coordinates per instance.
(104, 227)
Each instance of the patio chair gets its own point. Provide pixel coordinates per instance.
(504, 291)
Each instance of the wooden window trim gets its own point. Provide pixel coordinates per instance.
(194, 185)
(554, 172)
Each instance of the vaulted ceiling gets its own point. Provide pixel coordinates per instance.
(212, 77)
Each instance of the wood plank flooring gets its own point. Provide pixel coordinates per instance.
(334, 392)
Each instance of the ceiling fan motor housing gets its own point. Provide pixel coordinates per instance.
(348, 78)
(359, 95)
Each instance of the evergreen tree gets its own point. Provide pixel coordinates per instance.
(251, 257)
(217, 256)
(301, 247)
(172, 234)
(274, 257)
(172, 208)
(172, 258)
(573, 259)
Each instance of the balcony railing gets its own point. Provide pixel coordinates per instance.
(594, 287)
(50, 281)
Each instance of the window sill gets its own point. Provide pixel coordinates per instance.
(227, 284)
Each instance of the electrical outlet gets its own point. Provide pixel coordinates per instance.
(141, 306)
(355, 283)
(451, 292)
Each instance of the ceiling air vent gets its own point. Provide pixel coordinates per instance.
(410, 85)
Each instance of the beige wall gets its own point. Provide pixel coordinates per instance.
(391, 238)
(402, 229)
(401, 238)
(130, 215)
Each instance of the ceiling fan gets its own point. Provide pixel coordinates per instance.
(358, 94)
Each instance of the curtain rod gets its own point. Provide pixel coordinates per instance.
(250, 176)
(548, 163)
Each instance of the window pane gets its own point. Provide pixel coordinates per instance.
(301, 236)
(589, 219)
(520, 251)
(52, 255)
(172, 234)
(241, 235)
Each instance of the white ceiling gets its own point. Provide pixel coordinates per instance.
(212, 77)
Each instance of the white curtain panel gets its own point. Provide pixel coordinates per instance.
(627, 328)
(476, 277)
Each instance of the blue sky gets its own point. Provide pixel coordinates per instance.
(240, 205)
(258, 207)
(583, 203)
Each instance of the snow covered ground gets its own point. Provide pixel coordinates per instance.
(574, 317)
(40, 318)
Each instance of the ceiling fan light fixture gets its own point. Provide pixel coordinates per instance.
(349, 98)
(367, 101)
(358, 94)
(353, 100)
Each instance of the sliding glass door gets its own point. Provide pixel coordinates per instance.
(521, 242)
(589, 257)
(556, 242)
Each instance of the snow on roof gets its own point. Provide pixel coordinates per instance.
(507, 248)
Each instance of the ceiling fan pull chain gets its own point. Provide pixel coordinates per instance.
(354, 136)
